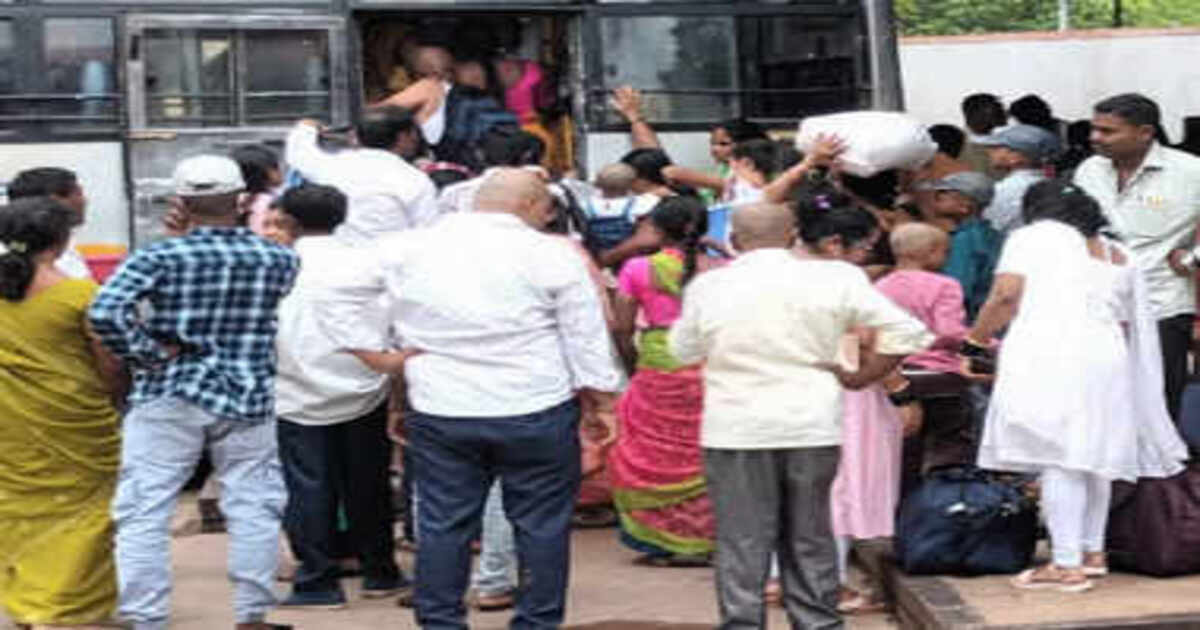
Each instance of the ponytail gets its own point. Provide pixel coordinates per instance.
(28, 227)
(16, 272)
(683, 220)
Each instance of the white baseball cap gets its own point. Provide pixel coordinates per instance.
(206, 175)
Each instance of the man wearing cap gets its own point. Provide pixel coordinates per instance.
(1151, 195)
(1019, 153)
(204, 367)
(957, 202)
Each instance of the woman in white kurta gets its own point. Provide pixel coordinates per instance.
(1078, 393)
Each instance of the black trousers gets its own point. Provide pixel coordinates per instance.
(1175, 336)
(342, 464)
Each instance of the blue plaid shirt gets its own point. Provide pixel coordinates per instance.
(213, 293)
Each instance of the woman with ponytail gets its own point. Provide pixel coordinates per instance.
(656, 467)
(59, 446)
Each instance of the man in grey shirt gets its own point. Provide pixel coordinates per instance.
(1020, 152)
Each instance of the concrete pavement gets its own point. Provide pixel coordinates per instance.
(608, 592)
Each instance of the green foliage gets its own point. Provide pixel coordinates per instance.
(957, 17)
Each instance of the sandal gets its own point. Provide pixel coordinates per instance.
(853, 602)
(1052, 577)
(1095, 564)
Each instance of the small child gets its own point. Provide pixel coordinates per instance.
(933, 376)
(610, 210)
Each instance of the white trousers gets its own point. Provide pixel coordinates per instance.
(1076, 507)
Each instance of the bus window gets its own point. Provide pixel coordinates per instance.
(8, 66)
(686, 66)
(78, 54)
(287, 76)
(189, 78)
(695, 69)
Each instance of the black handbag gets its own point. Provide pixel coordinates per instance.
(964, 521)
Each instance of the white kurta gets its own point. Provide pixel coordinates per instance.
(1079, 384)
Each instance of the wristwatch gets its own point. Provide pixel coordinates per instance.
(1191, 258)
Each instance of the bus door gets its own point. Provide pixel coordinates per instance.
(210, 83)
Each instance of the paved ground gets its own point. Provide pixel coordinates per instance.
(608, 592)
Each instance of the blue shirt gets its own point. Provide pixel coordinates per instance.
(214, 294)
(974, 250)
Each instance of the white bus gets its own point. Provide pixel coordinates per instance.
(120, 91)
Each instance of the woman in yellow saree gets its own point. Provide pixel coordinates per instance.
(59, 444)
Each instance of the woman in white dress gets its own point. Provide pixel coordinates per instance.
(1078, 393)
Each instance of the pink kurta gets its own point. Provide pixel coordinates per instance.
(867, 486)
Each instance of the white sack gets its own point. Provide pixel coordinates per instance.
(875, 141)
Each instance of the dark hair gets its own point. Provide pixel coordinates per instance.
(512, 147)
(28, 227)
(1056, 200)
(879, 190)
(256, 162)
(976, 103)
(648, 164)
(378, 127)
(1133, 108)
(1079, 133)
(447, 176)
(786, 155)
(950, 139)
(1032, 110)
(315, 207)
(43, 181)
(741, 130)
(823, 211)
(683, 220)
(761, 153)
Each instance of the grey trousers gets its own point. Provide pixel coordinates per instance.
(774, 500)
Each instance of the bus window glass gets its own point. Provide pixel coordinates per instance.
(287, 76)
(189, 78)
(804, 64)
(686, 66)
(79, 71)
(8, 67)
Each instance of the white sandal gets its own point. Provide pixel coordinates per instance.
(1028, 580)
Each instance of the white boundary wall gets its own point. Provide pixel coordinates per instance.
(1071, 71)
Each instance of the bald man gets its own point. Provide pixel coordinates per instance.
(509, 327)
(767, 328)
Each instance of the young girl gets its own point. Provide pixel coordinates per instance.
(1078, 394)
(866, 489)
(59, 442)
(261, 172)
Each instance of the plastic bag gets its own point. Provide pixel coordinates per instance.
(875, 141)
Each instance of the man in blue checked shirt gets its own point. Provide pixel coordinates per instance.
(203, 363)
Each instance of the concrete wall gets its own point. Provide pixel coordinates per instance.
(99, 166)
(1070, 70)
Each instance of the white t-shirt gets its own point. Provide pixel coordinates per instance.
(316, 383)
(72, 263)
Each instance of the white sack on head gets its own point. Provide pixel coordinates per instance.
(875, 141)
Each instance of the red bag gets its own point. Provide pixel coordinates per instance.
(1154, 526)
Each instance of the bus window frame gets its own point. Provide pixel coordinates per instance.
(596, 92)
(334, 25)
(29, 32)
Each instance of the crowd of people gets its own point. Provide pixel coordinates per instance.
(320, 322)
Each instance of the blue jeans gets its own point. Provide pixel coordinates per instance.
(536, 457)
(496, 573)
(162, 442)
(341, 464)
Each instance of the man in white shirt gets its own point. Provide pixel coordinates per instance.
(386, 194)
(332, 411)
(1151, 195)
(768, 327)
(513, 343)
(62, 186)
